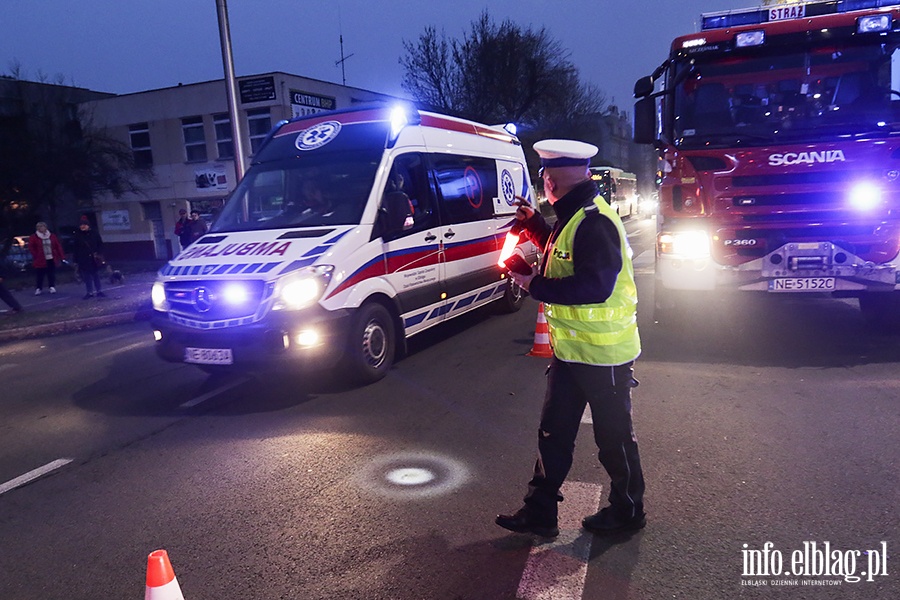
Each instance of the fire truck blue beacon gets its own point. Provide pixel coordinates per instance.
(352, 231)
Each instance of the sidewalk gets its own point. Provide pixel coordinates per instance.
(67, 311)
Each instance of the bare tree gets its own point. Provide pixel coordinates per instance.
(496, 74)
(52, 157)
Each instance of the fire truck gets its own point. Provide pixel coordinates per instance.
(778, 133)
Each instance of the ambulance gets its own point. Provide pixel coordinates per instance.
(351, 231)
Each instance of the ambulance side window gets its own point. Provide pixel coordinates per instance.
(468, 186)
(409, 177)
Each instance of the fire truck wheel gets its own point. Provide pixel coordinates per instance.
(513, 298)
(372, 344)
(881, 309)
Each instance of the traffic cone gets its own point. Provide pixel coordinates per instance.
(161, 582)
(541, 348)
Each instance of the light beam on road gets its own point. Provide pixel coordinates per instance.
(412, 475)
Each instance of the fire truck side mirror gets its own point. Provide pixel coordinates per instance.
(645, 121)
(643, 87)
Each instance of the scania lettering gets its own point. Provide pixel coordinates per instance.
(351, 231)
(778, 131)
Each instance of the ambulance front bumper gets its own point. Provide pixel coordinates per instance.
(314, 337)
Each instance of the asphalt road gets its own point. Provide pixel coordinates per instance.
(760, 420)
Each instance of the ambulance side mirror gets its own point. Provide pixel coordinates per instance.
(396, 214)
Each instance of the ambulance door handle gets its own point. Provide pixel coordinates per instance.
(449, 234)
(430, 237)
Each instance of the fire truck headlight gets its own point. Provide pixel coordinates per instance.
(302, 288)
(873, 23)
(865, 196)
(684, 244)
(158, 296)
(750, 38)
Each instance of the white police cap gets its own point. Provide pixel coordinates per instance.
(565, 153)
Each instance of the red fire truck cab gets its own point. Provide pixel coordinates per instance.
(778, 131)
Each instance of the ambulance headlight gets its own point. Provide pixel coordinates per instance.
(158, 296)
(302, 288)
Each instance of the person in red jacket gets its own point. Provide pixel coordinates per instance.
(46, 254)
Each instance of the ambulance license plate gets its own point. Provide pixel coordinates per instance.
(802, 284)
(208, 356)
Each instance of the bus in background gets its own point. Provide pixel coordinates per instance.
(618, 187)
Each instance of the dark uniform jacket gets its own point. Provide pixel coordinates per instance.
(597, 256)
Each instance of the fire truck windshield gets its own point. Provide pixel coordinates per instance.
(799, 95)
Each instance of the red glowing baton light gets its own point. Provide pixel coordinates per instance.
(509, 246)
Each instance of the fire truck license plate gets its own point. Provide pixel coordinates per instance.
(802, 284)
(208, 356)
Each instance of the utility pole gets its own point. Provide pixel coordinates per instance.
(231, 88)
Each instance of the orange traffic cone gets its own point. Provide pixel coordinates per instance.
(161, 582)
(541, 348)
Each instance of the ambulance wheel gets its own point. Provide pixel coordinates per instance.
(373, 344)
(513, 298)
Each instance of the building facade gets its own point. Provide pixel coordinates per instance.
(181, 139)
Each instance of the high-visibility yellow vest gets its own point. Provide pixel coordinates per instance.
(593, 334)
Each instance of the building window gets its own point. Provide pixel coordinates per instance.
(194, 139)
(259, 122)
(224, 139)
(140, 145)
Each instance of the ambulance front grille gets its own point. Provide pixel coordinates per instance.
(211, 300)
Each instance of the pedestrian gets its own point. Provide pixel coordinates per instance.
(46, 253)
(197, 227)
(5, 294)
(182, 229)
(586, 282)
(89, 257)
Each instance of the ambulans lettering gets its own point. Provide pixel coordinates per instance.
(808, 158)
(247, 249)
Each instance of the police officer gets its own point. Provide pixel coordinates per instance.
(586, 282)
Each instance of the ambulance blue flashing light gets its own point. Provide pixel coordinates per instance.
(401, 116)
(756, 16)
(510, 128)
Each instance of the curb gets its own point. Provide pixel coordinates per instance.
(35, 331)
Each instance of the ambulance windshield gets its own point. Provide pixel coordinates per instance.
(762, 96)
(322, 189)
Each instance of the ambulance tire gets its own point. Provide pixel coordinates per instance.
(513, 298)
(372, 344)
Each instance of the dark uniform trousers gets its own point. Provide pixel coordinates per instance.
(570, 386)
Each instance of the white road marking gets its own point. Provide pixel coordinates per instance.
(195, 401)
(557, 570)
(109, 339)
(125, 348)
(31, 475)
(644, 259)
(587, 417)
